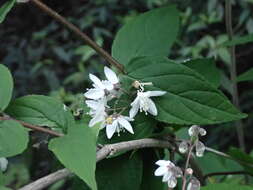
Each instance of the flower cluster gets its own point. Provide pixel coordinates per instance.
(169, 171)
(194, 132)
(106, 90)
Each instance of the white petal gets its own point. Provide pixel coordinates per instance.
(108, 85)
(94, 93)
(110, 130)
(92, 104)
(164, 163)
(200, 149)
(96, 81)
(98, 118)
(183, 147)
(152, 108)
(172, 182)
(133, 111)
(125, 124)
(161, 171)
(193, 130)
(111, 75)
(167, 176)
(3, 164)
(155, 93)
(202, 131)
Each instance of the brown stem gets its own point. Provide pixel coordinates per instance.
(101, 154)
(229, 28)
(227, 173)
(33, 127)
(186, 166)
(77, 31)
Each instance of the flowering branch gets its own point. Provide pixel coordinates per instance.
(78, 32)
(102, 153)
(33, 127)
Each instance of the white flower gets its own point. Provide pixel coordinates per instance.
(118, 124)
(195, 130)
(169, 172)
(144, 103)
(3, 164)
(194, 184)
(102, 87)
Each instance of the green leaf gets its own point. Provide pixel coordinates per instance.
(149, 34)
(5, 9)
(239, 40)
(6, 87)
(121, 173)
(4, 188)
(207, 68)
(41, 110)
(244, 159)
(13, 138)
(77, 152)
(247, 76)
(190, 99)
(223, 186)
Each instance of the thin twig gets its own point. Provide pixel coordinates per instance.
(227, 173)
(229, 28)
(186, 166)
(101, 154)
(77, 31)
(33, 127)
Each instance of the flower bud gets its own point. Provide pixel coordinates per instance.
(189, 171)
(183, 147)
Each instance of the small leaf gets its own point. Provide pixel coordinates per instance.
(149, 34)
(77, 152)
(13, 138)
(190, 99)
(41, 110)
(247, 76)
(239, 40)
(223, 186)
(5, 9)
(6, 87)
(207, 68)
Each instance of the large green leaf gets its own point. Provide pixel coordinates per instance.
(7, 6)
(41, 110)
(6, 87)
(4, 188)
(190, 99)
(13, 138)
(207, 68)
(77, 152)
(223, 186)
(239, 40)
(247, 76)
(151, 33)
(121, 173)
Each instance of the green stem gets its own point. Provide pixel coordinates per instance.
(233, 75)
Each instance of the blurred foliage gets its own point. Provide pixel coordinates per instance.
(45, 57)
